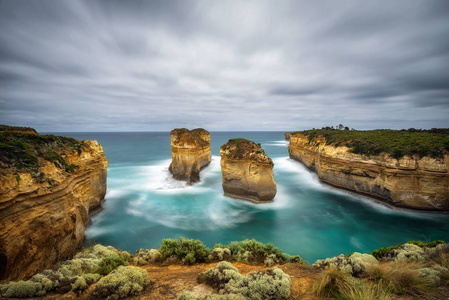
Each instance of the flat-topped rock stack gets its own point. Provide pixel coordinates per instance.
(247, 172)
(190, 153)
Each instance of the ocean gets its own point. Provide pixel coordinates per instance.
(145, 205)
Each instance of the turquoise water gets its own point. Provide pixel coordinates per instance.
(145, 205)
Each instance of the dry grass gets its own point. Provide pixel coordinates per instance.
(331, 282)
(367, 291)
(401, 276)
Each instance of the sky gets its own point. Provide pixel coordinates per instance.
(117, 65)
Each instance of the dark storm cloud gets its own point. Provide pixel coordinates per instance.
(223, 65)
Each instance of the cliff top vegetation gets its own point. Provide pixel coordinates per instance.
(240, 148)
(22, 151)
(194, 135)
(17, 129)
(397, 143)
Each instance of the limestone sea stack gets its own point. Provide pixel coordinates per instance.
(247, 172)
(190, 153)
(405, 181)
(49, 187)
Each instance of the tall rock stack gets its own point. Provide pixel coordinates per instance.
(247, 172)
(190, 153)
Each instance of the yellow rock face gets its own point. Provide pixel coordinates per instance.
(42, 223)
(190, 153)
(247, 172)
(409, 182)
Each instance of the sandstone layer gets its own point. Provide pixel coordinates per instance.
(408, 182)
(190, 153)
(247, 172)
(43, 213)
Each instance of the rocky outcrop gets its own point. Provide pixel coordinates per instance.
(190, 153)
(408, 182)
(247, 172)
(44, 212)
(287, 136)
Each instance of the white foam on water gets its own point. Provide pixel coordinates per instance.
(305, 176)
(94, 231)
(277, 143)
(355, 243)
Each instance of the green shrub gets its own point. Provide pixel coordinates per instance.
(122, 282)
(253, 251)
(272, 284)
(189, 251)
(22, 289)
(110, 263)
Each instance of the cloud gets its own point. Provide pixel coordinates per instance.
(224, 65)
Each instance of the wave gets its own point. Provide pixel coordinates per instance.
(276, 143)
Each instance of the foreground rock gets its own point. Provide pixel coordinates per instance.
(247, 172)
(49, 186)
(408, 182)
(190, 152)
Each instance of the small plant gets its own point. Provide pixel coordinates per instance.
(18, 178)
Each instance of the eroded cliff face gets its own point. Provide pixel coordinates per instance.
(190, 153)
(409, 182)
(43, 216)
(247, 172)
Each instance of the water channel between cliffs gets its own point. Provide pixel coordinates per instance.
(144, 205)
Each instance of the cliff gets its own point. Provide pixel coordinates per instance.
(408, 181)
(247, 172)
(49, 186)
(190, 153)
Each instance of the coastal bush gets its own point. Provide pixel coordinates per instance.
(21, 289)
(253, 251)
(110, 263)
(355, 264)
(272, 284)
(189, 251)
(407, 250)
(122, 282)
(145, 256)
(73, 275)
(219, 254)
